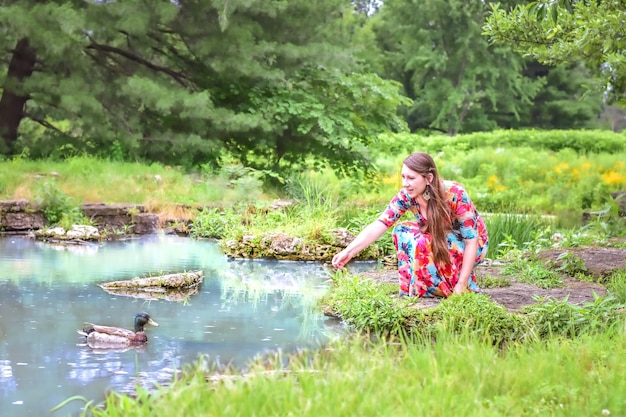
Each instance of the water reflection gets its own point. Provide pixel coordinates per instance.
(242, 309)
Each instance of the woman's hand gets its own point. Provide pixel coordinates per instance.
(341, 259)
(368, 235)
(460, 287)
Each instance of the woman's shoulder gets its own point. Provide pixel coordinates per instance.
(403, 198)
(453, 186)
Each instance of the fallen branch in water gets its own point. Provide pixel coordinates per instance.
(158, 284)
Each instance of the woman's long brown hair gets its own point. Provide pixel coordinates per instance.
(439, 220)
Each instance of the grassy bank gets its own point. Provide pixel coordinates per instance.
(457, 375)
(159, 187)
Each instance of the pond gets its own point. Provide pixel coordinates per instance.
(243, 309)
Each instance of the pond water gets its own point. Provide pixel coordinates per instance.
(242, 309)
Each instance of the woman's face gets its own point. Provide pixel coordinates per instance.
(413, 182)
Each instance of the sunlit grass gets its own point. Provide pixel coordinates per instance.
(453, 376)
(509, 179)
(87, 179)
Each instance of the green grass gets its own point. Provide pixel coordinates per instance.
(88, 179)
(453, 376)
(533, 272)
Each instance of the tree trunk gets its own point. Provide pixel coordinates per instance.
(12, 102)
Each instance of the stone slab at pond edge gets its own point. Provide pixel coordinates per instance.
(22, 216)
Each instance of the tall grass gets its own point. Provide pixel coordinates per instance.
(453, 376)
(617, 285)
(515, 231)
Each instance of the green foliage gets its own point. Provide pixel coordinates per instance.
(513, 231)
(533, 272)
(57, 207)
(552, 317)
(363, 303)
(367, 305)
(587, 32)
(477, 316)
(575, 377)
(581, 141)
(616, 285)
(490, 281)
(562, 102)
(333, 115)
(584, 142)
(608, 222)
(214, 223)
(315, 192)
(274, 84)
(435, 48)
(460, 82)
(159, 187)
(549, 172)
(570, 264)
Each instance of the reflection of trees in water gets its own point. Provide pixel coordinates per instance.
(30, 259)
(7, 380)
(10, 305)
(294, 286)
(253, 281)
(124, 375)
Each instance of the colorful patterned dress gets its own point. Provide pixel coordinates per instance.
(419, 276)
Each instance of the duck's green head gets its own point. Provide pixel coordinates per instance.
(141, 319)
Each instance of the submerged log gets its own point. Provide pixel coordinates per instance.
(180, 281)
(177, 295)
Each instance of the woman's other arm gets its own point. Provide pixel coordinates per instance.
(469, 258)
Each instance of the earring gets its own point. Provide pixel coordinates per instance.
(426, 194)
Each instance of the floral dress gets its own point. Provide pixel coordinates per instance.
(419, 276)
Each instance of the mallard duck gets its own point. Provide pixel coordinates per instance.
(105, 336)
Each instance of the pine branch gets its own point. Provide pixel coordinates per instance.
(44, 123)
(179, 77)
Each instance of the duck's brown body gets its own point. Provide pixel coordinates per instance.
(109, 336)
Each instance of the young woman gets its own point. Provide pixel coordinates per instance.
(438, 251)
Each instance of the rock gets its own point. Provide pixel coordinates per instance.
(176, 295)
(342, 237)
(112, 216)
(282, 246)
(146, 223)
(13, 206)
(22, 221)
(20, 215)
(77, 232)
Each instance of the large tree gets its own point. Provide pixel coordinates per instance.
(183, 81)
(566, 32)
(457, 81)
(562, 102)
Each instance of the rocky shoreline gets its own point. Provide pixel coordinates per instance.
(119, 220)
